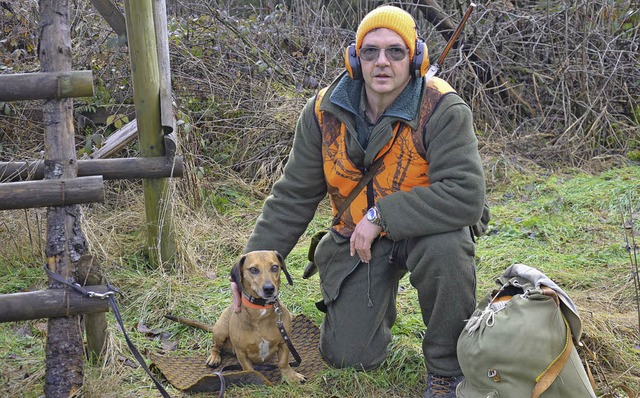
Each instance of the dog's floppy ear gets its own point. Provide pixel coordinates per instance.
(284, 268)
(236, 274)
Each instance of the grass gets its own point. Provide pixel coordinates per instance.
(567, 224)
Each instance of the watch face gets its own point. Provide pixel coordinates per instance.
(371, 214)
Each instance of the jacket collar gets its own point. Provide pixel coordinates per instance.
(347, 94)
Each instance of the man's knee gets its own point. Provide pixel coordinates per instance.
(452, 252)
(347, 353)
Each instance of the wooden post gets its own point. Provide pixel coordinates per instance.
(95, 324)
(146, 94)
(162, 36)
(65, 242)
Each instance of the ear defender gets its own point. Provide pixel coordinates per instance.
(352, 62)
(420, 61)
(418, 67)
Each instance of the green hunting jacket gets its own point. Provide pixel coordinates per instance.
(454, 199)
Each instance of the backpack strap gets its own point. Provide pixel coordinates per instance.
(546, 378)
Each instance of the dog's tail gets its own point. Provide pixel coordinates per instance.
(190, 322)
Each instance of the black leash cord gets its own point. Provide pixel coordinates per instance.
(110, 296)
(285, 336)
(132, 347)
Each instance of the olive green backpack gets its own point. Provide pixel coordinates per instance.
(520, 342)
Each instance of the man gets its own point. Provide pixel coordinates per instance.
(414, 214)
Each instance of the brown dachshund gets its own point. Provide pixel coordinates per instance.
(253, 333)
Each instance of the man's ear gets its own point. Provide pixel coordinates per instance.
(236, 271)
(284, 268)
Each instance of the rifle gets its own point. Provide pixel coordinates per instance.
(434, 68)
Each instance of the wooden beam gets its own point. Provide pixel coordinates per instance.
(112, 15)
(130, 168)
(46, 85)
(117, 140)
(167, 120)
(62, 192)
(52, 303)
(109, 169)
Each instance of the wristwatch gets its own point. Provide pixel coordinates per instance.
(373, 216)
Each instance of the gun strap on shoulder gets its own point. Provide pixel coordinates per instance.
(361, 184)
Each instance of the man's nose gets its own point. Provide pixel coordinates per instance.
(382, 54)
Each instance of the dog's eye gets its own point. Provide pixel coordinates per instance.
(254, 270)
(275, 268)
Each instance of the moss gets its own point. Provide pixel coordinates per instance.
(634, 155)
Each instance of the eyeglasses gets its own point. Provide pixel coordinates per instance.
(392, 53)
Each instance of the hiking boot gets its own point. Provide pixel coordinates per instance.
(442, 386)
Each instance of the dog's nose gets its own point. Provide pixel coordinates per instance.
(269, 289)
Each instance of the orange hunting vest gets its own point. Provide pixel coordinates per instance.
(403, 167)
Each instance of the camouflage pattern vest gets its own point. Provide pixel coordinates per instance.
(403, 167)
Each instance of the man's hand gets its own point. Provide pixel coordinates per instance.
(362, 238)
(235, 292)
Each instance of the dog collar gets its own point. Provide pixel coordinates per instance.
(257, 303)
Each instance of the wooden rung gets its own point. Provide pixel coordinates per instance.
(46, 85)
(50, 303)
(62, 192)
(110, 169)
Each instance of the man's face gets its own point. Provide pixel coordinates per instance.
(383, 75)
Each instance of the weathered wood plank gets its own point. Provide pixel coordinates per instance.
(109, 169)
(117, 140)
(52, 303)
(167, 120)
(63, 192)
(43, 85)
(112, 15)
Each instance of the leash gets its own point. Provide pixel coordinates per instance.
(110, 297)
(285, 335)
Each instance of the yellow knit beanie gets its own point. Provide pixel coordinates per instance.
(393, 18)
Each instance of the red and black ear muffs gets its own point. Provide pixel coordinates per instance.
(418, 67)
(352, 62)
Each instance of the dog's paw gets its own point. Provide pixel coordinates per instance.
(293, 377)
(214, 359)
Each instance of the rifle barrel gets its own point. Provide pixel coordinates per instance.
(455, 35)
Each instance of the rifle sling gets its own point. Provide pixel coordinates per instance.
(361, 184)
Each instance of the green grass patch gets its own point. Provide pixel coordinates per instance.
(568, 225)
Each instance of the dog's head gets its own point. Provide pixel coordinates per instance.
(257, 273)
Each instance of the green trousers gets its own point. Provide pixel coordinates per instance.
(360, 298)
